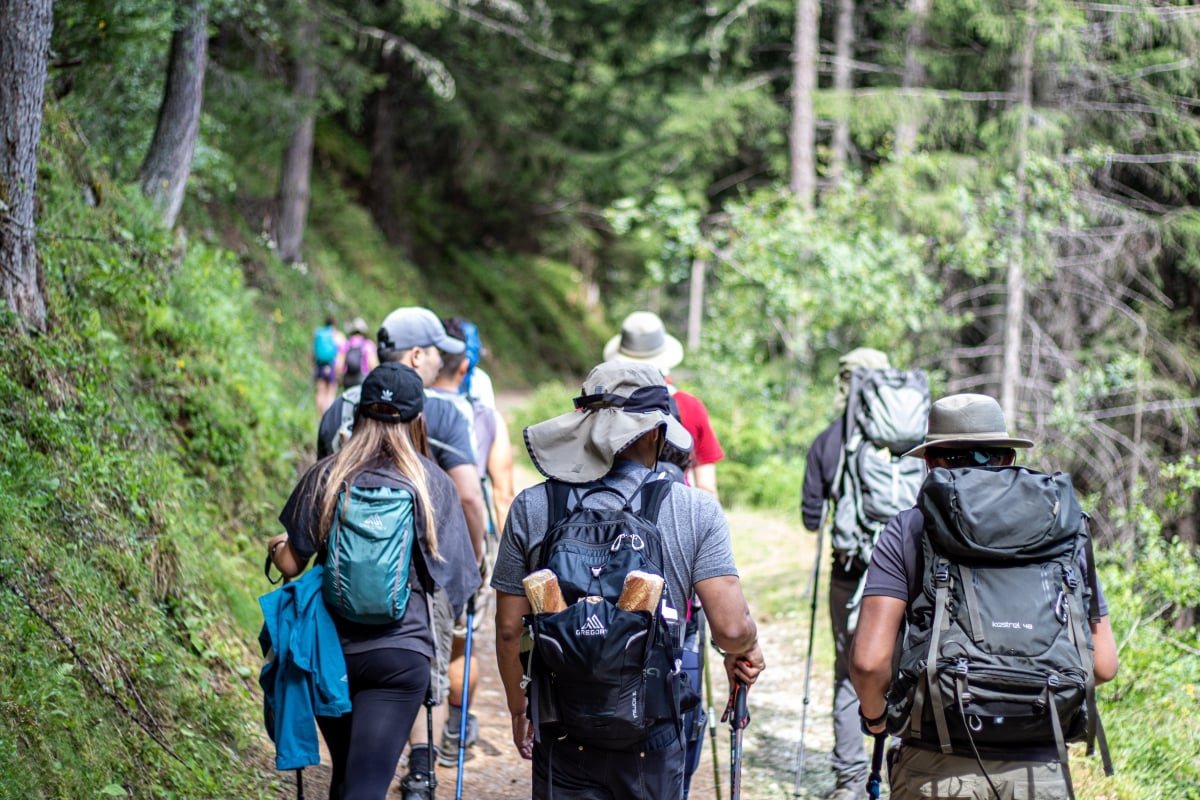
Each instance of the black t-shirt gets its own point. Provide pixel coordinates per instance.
(301, 519)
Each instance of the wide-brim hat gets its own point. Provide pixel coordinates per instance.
(644, 338)
(966, 421)
(620, 402)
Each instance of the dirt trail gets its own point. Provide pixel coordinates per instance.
(774, 556)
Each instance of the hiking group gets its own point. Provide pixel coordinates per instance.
(967, 620)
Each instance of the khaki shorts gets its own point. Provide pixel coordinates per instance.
(443, 631)
(916, 774)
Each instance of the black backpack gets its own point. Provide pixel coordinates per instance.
(998, 651)
(600, 675)
(353, 374)
(886, 413)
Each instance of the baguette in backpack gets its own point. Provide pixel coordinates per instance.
(543, 592)
(640, 592)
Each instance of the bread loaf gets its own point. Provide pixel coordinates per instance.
(640, 592)
(541, 588)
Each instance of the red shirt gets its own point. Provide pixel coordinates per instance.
(706, 449)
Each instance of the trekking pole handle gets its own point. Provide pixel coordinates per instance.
(737, 707)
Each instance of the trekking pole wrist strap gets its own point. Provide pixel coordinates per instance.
(869, 722)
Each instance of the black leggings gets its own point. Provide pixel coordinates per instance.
(387, 688)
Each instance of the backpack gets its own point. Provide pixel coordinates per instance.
(886, 416)
(368, 555)
(353, 373)
(599, 674)
(325, 346)
(998, 650)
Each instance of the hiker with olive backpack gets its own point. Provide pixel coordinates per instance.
(1006, 630)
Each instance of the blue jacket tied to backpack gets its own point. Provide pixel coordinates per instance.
(305, 673)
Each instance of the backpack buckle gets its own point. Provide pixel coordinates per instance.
(941, 573)
(1069, 578)
(960, 666)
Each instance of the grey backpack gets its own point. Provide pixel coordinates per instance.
(998, 650)
(886, 415)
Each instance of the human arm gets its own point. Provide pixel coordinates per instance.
(871, 654)
(510, 609)
(500, 469)
(732, 627)
(1105, 652)
(470, 494)
(704, 476)
(284, 557)
(820, 468)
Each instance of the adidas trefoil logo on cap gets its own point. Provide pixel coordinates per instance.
(593, 627)
(387, 394)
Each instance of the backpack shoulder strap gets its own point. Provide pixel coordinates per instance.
(653, 493)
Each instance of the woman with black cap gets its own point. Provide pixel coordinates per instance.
(387, 664)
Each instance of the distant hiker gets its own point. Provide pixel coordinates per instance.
(357, 355)
(644, 338)
(493, 454)
(597, 461)
(855, 476)
(1007, 629)
(327, 339)
(387, 662)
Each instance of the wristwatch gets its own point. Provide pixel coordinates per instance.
(868, 722)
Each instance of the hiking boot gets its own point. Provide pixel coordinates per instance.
(448, 753)
(416, 786)
(847, 793)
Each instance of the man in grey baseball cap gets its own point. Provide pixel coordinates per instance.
(412, 326)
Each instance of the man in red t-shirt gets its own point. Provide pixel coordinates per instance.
(644, 338)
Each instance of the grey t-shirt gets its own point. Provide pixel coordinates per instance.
(696, 543)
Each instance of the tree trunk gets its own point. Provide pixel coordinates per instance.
(696, 303)
(1014, 307)
(168, 163)
(804, 85)
(843, 76)
(914, 76)
(25, 29)
(296, 171)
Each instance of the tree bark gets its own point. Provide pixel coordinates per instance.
(168, 163)
(696, 303)
(25, 29)
(843, 77)
(295, 174)
(804, 85)
(913, 77)
(1014, 307)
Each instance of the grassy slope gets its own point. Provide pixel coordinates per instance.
(149, 439)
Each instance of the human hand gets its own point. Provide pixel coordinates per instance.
(744, 667)
(522, 732)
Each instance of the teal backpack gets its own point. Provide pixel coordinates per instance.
(325, 346)
(368, 559)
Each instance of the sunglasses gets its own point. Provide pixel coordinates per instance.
(965, 458)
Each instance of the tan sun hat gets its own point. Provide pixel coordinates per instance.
(644, 338)
(620, 402)
(965, 421)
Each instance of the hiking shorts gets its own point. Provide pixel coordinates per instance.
(916, 774)
(323, 372)
(443, 634)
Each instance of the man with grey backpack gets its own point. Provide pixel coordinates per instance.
(855, 479)
(1006, 631)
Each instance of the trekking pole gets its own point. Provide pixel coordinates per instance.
(430, 702)
(812, 634)
(738, 714)
(876, 776)
(466, 700)
(712, 726)
(300, 784)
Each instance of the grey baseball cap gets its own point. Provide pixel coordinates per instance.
(413, 326)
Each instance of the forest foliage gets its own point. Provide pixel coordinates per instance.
(543, 168)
